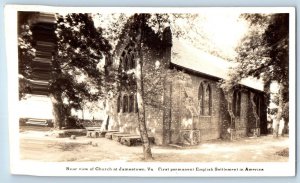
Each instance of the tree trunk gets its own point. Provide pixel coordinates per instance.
(285, 116)
(140, 97)
(167, 97)
(285, 127)
(141, 113)
(57, 110)
(276, 122)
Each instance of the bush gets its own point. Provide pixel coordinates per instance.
(73, 123)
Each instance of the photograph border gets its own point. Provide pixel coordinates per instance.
(33, 168)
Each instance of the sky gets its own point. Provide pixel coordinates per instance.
(225, 30)
(35, 107)
(38, 106)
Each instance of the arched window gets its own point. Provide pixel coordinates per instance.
(201, 99)
(132, 61)
(207, 101)
(126, 63)
(239, 104)
(236, 103)
(131, 103)
(257, 103)
(127, 58)
(125, 103)
(118, 104)
(129, 61)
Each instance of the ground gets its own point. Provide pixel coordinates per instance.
(37, 143)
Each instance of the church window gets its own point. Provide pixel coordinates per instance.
(201, 99)
(125, 103)
(118, 104)
(207, 101)
(236, 103)
(257, 103)
(136, 104)
(131, 103)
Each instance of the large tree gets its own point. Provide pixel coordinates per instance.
(75, 75)
(264, 54)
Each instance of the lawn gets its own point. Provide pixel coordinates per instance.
(43, 146)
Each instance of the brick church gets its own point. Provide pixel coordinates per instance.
(187, 111)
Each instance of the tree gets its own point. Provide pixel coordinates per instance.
(75, 75)
(263, 54)
(148, 31)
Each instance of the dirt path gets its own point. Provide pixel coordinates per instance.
(37, 146)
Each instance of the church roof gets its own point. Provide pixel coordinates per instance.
(192, 58)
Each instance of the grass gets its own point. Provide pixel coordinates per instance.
(66, 146)
(284, 152)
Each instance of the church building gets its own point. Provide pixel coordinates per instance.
(188, 107)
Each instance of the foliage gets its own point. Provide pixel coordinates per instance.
(76, 76)
(112, 26)
(273, 111)
(263, 52)
(275, 99)
(25, 50)
(80, 49)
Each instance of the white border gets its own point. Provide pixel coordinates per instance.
(58, 169)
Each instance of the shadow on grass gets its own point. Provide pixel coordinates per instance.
(66, 146)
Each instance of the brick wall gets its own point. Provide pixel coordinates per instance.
(185, 115)
(128, 122)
